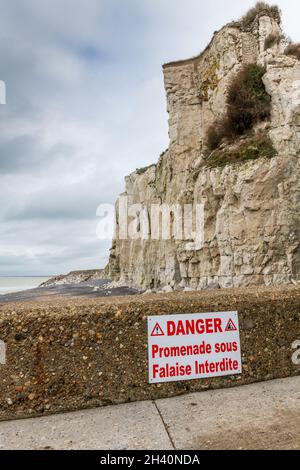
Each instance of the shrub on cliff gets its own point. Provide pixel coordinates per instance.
(259, 9)
(247, 104)
(273, 39)
(293, 50)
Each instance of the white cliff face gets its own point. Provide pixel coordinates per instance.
(282, 82)
(251, 210)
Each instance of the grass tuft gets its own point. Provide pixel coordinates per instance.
(251, 149)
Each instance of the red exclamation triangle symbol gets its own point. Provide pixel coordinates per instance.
(231, 326)
(157, 331)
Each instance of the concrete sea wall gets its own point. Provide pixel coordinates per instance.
(64, 355)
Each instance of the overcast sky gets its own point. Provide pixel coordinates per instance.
(85, 107)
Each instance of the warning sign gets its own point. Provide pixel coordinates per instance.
(157, 331)
(231, 326)
(195, 346)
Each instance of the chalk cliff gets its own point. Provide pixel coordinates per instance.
(251, 208)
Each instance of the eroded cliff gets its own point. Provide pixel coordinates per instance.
(252, 208)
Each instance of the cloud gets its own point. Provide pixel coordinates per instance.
(86, 106)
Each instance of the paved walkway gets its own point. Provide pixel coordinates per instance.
(259, 416)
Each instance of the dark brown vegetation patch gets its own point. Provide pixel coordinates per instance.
(248, 103)
(273, 39)
(260, 9)
(293, 50)
(259, 146)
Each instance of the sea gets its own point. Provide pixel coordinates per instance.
(9, 285)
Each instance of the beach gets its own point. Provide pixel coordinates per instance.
(91, 288)
(10, 284)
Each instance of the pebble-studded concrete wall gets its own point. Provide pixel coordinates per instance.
(74, 354)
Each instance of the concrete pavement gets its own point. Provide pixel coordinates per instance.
(258, 416)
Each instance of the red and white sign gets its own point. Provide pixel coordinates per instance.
(194, 346)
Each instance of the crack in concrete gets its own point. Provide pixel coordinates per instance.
(165, 425)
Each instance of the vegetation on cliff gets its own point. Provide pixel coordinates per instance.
(248, 103)
(260, 9)
(293, 50)
(273, 39)
(254, 147)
